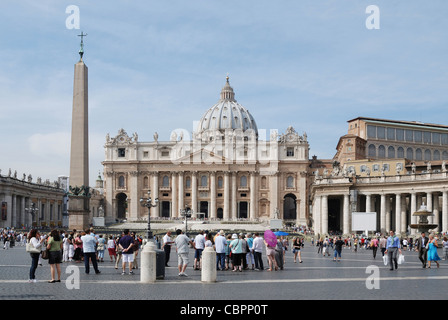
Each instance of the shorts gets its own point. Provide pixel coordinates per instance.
(182, 259)
(198, 253)
(128, 257)
(112, 251)
(55, 257)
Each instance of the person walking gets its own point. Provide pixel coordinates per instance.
(101, 247)
(54, 245)
(36, 241)
(421, 246)
(383, 244)
(257, 248)
(182, 243)
(126, 244)
(296, 246)
(374, 246)
(445, 248)
(89, 244)
(432, 251)
(392, 249)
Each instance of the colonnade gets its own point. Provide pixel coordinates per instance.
(394, 209)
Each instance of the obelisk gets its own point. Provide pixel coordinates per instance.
(79, 194)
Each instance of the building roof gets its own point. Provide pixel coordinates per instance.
(401, 122)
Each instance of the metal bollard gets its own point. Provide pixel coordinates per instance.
(208, 273)
(148, 263)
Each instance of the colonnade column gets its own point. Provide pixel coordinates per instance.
(134, 201)
(383, 214)
(213, 195)
(398, 213)
(429, 205)
(324, 213)
(436, 211)
(346, 214)
(444, 211)
(317, 214)
(368, 202)
(403, 215)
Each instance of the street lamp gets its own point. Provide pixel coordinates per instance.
(187, 213)
(32, 210)
(147, 202)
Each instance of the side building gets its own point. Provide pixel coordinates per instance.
(383, 166)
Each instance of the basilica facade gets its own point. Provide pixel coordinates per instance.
(224, 172)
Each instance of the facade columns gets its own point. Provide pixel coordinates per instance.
(368, 203)
(155, 194)
(317, 214)
(429, 205)
(226, 213)
(194, 192)
(213, 195)
(180, 197)
(174, 199)
(253, 200)
(234, 207)
(134, 197)
(436, 211)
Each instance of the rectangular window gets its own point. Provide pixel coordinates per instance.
(290, 152)
(371, 132)
(436, 138)
(418, 136)
(390, 133)
(376, 167)
(427, 137)
(444, 139)
(409, 135)
(121, 152)
(381, 133)
(400, 135)
(165, 153)
(145, 154)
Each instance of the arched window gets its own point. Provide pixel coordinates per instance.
(409, 154)
(444, 155)
(372, 151)
(121, 181)
(391, 152)
(436, 155)
(220, 183)
(400, 152)
(203, 181)
(418, 154)
(243, 181)
(381, 152)
(427, 155)
(188, 182)
(290, 182)
(146, 182)
(165, 181)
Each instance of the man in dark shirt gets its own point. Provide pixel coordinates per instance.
(126, 243)
(338, 249)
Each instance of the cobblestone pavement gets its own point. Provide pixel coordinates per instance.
(357, 276)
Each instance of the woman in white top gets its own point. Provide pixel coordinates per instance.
(36, 241)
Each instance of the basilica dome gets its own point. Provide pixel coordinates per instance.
(226, 115)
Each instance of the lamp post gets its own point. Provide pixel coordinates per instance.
(147, 202)
(32, 210)
(187, 213)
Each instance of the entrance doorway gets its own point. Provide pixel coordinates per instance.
(122, 205)
(203, 208)
(290, 207)
(242, 210)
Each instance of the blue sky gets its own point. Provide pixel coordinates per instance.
(159, 65)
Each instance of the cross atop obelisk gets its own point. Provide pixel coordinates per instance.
(81, 49)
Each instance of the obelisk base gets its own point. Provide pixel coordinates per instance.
(78, 212)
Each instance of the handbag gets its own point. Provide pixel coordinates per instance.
(46, 254)
(31, 248)
(400, 259)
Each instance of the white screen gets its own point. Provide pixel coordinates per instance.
(362, 221)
